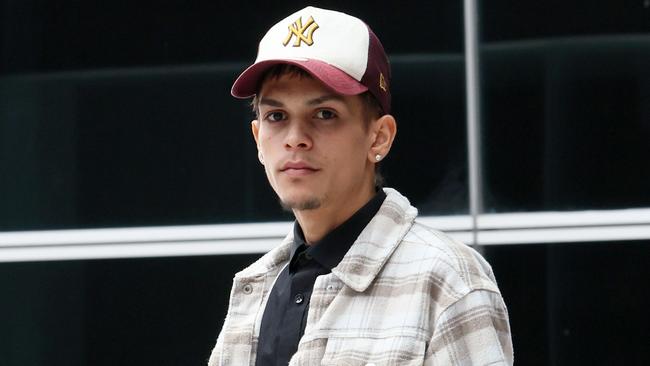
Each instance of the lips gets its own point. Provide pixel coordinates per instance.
(298, 168)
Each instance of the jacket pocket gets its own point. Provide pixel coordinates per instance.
(367, 351)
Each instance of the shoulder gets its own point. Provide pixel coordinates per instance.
(468, 314)
(444, 261)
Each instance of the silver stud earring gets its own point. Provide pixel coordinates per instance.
(259, 156)
(377, 157)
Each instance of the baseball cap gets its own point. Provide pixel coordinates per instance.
(336, 48)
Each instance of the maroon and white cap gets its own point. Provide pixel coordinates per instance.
(338, 49)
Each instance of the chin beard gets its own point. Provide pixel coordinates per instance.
(308, 204)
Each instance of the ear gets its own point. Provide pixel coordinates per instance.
(255, 128)
(385, 129)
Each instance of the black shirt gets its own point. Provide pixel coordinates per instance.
(285, 315)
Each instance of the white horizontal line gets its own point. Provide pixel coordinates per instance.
(146, 234)
(564, 219)
(564, 235)
(183, 233)
(140, 250)
(223, 239)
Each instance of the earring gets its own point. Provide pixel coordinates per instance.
(259, 156)
(377, 157)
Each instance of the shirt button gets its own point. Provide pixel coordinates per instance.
(299, 298)
(248, 289)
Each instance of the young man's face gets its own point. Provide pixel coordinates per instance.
(314, 143)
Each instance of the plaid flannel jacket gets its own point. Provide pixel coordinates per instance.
(404, 294)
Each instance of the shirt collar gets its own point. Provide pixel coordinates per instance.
(366, 257)
(332, 248)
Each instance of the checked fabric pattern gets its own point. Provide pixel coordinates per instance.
(404, 294)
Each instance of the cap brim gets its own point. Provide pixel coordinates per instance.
(247, 83)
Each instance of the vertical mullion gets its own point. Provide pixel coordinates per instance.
(472, 92)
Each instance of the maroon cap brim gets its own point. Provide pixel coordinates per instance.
(247, 83)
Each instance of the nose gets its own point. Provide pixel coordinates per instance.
(298, 137)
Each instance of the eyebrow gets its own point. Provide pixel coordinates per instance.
(312, 102)
(271, 102)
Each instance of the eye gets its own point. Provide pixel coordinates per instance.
(275, 116)
(325, 114)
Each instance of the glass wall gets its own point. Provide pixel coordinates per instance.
(566, 104)
(119, 115)
(566, 119)
(155, 311)
(576, 304)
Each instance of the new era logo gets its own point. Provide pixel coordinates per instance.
(303, 33)
(382, 82)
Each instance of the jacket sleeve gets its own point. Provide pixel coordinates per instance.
(472, 331)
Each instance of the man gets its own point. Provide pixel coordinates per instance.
(359, 281)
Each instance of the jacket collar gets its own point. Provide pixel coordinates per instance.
(368, 254)
(377, 241)
(271, 262)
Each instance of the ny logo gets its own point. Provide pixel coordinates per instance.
(298, 30)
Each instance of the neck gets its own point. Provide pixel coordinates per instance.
(318, 222)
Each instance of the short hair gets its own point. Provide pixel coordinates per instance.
(371, 107)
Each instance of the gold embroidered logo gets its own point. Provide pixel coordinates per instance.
(298, 30)
(382, 82)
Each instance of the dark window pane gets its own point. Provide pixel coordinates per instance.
(128, 148)
(520, 20)
(155, 311)
(167, 145)
(566, 106)
(428, 162)
(46, 36)
(576, 303)
(562, 300)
